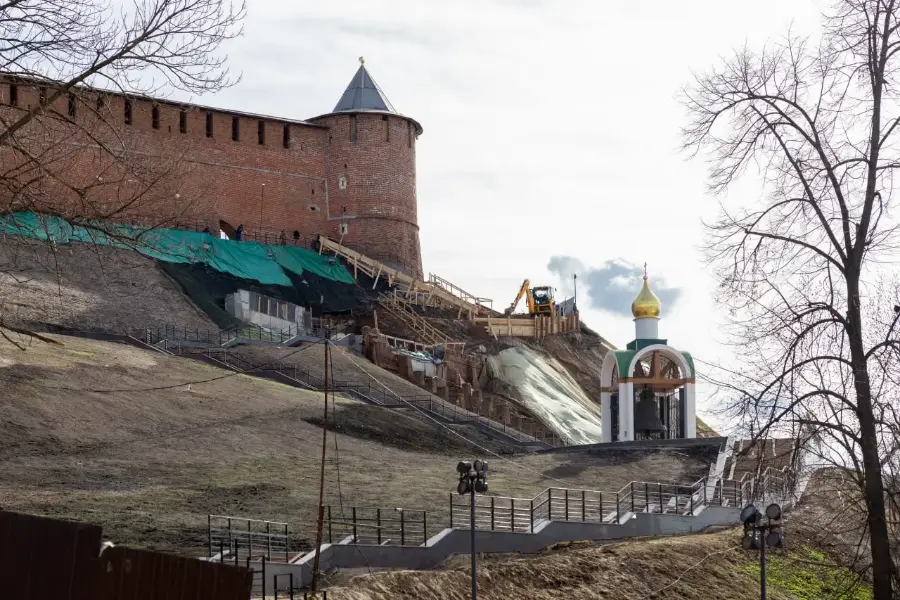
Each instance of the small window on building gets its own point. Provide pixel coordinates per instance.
(72, 105)
(209, 124)
(127, 111)
(353, 132)
(344, 228)
(261, 132)
(100, 103)
(387, 127)
(13, 94)
(182, 121)
(235, 129)
(286, 136)
(42, 95)
(154, 115)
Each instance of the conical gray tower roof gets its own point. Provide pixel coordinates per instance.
(363, 94)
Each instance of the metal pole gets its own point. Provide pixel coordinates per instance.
(762, 564)
(474, 566)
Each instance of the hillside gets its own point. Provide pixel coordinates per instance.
(89, 288)
(107, 433)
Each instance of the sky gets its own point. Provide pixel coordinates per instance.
(551, 134)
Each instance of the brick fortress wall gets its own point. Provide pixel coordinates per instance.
(350, 177)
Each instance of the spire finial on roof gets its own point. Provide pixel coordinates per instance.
(645, 269)
(363, 94)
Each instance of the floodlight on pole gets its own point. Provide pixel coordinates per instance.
(472, 480)
(759, 536)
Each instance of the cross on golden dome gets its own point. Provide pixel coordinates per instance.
(646, 304)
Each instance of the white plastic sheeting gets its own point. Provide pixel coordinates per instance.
(553, 396)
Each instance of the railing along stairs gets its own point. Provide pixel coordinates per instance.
(437, 292)
(429, 333)
(524, 515)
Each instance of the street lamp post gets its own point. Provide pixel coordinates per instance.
(759, 535)
(472, 480)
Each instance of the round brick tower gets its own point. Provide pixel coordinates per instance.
(370, 170)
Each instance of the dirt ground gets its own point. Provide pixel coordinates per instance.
(90, 288)
(147, 445)
(696, 567)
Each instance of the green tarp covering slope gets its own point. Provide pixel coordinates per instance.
(264, 263)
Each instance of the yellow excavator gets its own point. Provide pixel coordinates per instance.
(539, 298)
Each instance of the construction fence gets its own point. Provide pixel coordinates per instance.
(49, 559)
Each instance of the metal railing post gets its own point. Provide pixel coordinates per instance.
(451, 510)
(646, 497)
(355, 539)
(512, 503)
(567, 504)
(632, 496)
(209, 533)
(618, 514)
(268, 540)
(402, 529)
(549, 505)
(492, 513)
(263, 576)
(583, 513)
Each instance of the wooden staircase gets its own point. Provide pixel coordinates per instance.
(437, 293)
(428, 333)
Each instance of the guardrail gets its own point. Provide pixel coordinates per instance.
(254, 537)
(499, 513)
(378, 526)
(176, 334)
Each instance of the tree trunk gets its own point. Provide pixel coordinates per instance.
(874, 485)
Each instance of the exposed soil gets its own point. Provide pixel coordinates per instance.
(89, 287)
(698, 567)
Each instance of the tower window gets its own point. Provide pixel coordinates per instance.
(13, 94)
(387, 127)
(235, 129)
(155, 117)
(286, 137)
(209, 124)
(72, 105)
(127, 111)
(261, 132)
(353, 132)
(42, 95)
(182, 121)
(100, 103)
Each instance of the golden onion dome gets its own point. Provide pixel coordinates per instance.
(646, 304)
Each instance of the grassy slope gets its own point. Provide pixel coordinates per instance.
(149, 465)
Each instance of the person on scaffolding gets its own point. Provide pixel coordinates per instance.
(239, 232)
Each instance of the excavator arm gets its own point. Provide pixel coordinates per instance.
(525, 291)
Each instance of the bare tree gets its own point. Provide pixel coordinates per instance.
(65, 153)
(816, 123)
